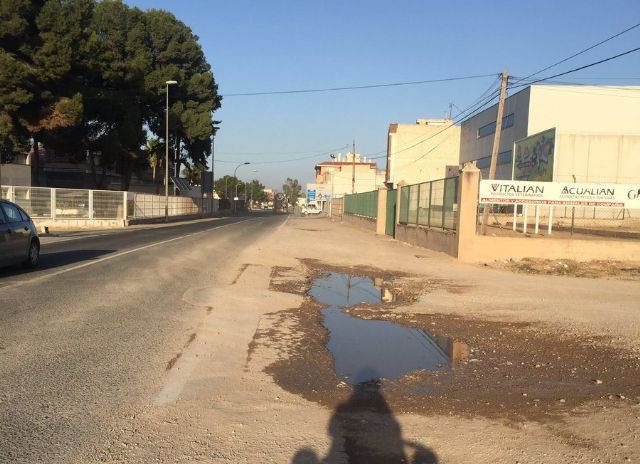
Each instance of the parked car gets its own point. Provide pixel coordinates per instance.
(19, 241)
(311, 209)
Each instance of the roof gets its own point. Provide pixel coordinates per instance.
(343, 163)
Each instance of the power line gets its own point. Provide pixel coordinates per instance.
(581, 52)
(316, 155)
(595, 63)
(470, 110)
(357, 87)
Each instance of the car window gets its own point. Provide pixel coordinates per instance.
(23, 215)
(2, 220)
(11, 213)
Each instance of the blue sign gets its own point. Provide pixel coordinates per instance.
(311, 195)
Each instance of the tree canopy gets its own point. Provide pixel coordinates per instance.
(88, 77)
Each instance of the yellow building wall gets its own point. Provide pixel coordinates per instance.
(413, 161)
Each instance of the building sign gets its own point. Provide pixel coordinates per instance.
(533, 157)
(321, 192)
(560, 193)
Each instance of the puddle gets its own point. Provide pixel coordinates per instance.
(365, 350)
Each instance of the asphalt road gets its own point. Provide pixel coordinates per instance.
(85, 339)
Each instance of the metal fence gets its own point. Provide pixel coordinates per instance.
(362, 204)
(545, 219)
(431, 204)
(59, 204)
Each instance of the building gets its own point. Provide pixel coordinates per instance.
(339, 173)
(422, 151)
(560, 133)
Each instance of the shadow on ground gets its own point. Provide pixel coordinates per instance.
(364, 431)
(54, 260)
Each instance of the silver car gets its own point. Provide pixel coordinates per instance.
(19, 241)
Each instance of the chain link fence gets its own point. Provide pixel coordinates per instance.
(431, 204)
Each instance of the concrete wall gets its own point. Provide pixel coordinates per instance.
(445, 241)
(78, 224)
(413, 162)
(597, 157)
(474, 248)
(366, 223)
(15, 174)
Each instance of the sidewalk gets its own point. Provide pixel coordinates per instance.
(553, 377)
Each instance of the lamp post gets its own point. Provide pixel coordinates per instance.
(234, 176)
(166, 157)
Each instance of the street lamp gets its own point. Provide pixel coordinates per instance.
(166, 157)
(234, 176)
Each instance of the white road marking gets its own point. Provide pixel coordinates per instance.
(117, 255)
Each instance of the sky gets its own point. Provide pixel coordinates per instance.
(278, 45)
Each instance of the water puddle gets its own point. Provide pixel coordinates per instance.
(365, 350)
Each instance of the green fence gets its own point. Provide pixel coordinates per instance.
(362, 204)
(432, 204)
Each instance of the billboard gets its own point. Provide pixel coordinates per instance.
(533, 157)
(560, 194)
(319, 192)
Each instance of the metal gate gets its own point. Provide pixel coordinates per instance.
(390, 226)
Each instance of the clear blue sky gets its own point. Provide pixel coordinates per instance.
(282, 45)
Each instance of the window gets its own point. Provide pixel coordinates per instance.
(23, 215)
(11, 212)
(490, 128)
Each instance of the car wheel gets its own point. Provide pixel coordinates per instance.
(34, 254)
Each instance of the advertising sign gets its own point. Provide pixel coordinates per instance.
(560, 193)
(533, 157)
(321, 192)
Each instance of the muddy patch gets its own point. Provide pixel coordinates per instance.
(622, 270)
(494, 369)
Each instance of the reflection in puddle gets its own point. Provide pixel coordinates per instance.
(368, 349)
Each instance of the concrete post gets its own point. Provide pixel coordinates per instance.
(53, 204)
(401, 185)
(125, 206)
(467, 209)
(91, 212)
(381, 220)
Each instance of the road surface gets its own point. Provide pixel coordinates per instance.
(85, 339)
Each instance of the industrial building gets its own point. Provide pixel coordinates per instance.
(562, 133)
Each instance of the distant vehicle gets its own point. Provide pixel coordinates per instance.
(311, 209)
(19, 241)
(280, 204)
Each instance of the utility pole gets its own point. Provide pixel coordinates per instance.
(496, 145)
(353, 169)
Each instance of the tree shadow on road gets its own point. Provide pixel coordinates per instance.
(365, 431)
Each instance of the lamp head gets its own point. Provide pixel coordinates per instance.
(171, 82)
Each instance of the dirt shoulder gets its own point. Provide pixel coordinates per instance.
(549, 373)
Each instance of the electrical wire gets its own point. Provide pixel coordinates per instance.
(580, 68)
(357, 87)
(581, 51)
(316, 155)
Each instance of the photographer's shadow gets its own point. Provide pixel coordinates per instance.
(364, 430)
